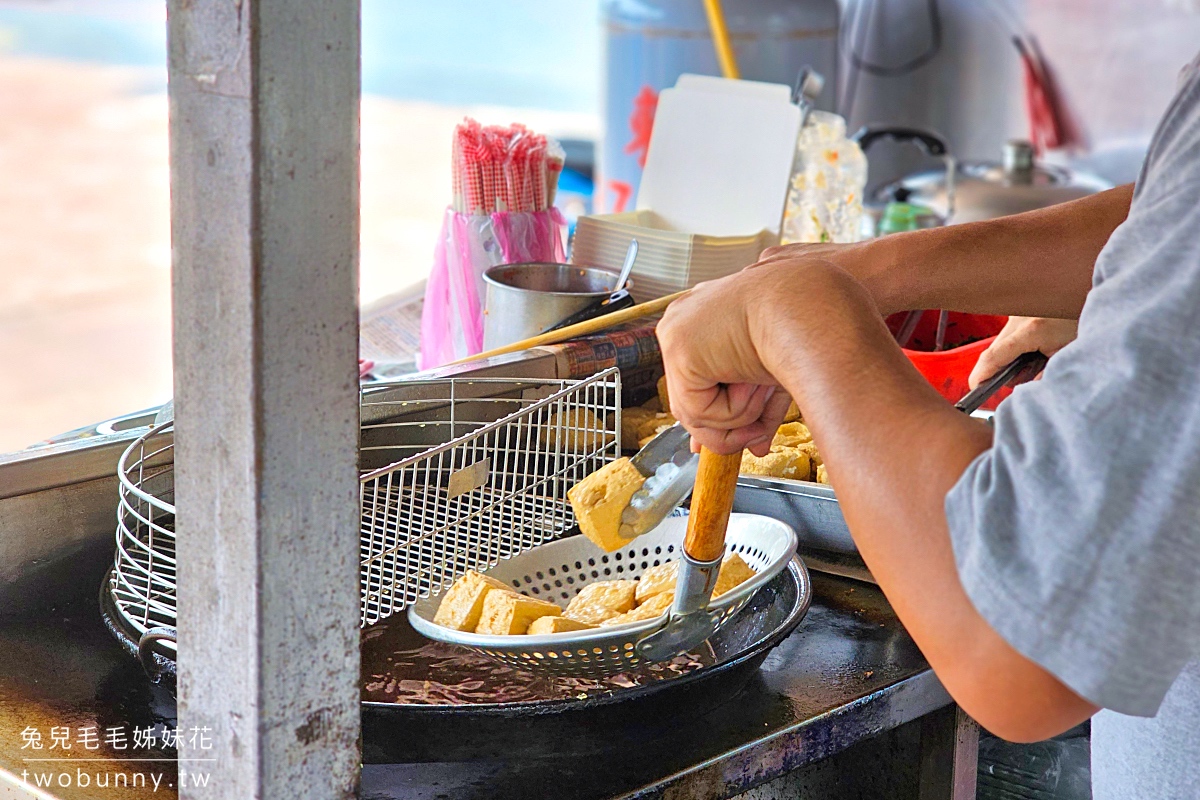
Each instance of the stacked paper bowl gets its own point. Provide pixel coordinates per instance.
(668, 260)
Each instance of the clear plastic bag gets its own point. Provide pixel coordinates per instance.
(452, 317)
(829, 176)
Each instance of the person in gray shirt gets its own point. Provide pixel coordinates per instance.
(1049, 569)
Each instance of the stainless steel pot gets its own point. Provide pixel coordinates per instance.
(524, 299)
(969, 191)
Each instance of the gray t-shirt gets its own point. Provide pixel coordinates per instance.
(1077, 536)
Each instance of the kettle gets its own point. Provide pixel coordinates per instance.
(969, 191)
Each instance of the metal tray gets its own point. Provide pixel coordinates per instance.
(812, 510)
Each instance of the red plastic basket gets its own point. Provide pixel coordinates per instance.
(967, 336)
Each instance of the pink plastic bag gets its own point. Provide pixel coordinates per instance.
(452, 317)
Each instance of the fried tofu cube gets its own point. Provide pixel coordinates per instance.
(656, 606)
(632, 420)
(577, 430)
(552, 624)
(822, 474)
(461, 607)
(781, 462)
(655, 425)
(663, 398)
(791, 434)
(734, 571)
(601, 600)
(810, 449)
(599, 499)
(657, 580)
(770, 466)
(508, 613)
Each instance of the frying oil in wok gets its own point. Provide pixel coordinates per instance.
(401, 666)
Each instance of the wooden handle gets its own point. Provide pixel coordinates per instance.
(712, 500)
(588, 326)
(721, 41)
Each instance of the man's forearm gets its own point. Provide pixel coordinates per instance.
(894, 448)
(1036, 264)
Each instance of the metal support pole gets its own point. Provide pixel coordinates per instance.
(949, 755)
(264, 185)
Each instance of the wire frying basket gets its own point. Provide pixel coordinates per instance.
(141, 584)
(456, 474)
(481, 497)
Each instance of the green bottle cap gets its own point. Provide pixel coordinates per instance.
(898, 217)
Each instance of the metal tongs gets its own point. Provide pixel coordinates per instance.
(672, 470)
(1024, 367)
(703, 550)
(669, 467)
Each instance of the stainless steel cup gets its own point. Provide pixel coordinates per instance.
(524, 299)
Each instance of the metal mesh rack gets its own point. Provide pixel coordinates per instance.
(457, 474)
(497, 488)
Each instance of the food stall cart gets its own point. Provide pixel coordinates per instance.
(264, 134)
(845, 704)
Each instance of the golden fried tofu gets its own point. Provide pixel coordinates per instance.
(599, 499)
(792, 414)
(656, 606)
(781, 462)
(654, 426)
(822, 474)
(601, 600)
(653, 405)
(766, 466)
(657, 580)
(810, 449)
(733, 571)
(461, 607)
(632, 420)
(801, 466)
(791, 434)
(577, 430)
(663, 398)
(508, 613)
(551, 624)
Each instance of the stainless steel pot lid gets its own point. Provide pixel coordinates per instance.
(987, 189)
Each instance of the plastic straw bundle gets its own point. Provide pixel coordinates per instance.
(503, 169)
(504, 181)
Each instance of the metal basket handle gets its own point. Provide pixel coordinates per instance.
(154, 663)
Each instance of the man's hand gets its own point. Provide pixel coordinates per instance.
(1023, 335)
(721, 389)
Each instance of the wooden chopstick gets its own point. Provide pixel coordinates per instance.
(584, 328)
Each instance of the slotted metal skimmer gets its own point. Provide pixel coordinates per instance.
(560, 570)
(458, 473)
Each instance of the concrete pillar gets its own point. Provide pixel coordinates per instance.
(264, 185)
